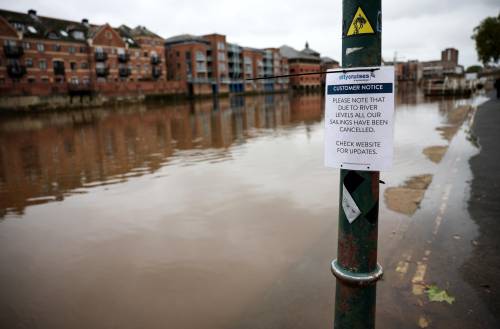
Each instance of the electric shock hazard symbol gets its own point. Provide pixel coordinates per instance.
(360, 24)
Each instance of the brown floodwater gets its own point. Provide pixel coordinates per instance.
(192, 215)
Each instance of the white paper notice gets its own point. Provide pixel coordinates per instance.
(350, 207)
(359, 111)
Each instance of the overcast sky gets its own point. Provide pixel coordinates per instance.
(414, 29)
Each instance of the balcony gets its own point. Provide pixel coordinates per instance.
(102, 72)
(123, 57)
(200, 57)
(156, 72)
(201, 69)
(13, 51)
(59, 70)
(16, 71)
(155, 60)
(101, 56)
(124, 72)
(200, 80)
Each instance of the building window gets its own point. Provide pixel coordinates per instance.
(188, 56)
(26, 45)
(45, 80)
(145, 54)
(221, 56)
(31, 79)
(220, 45)
(71, 49)
(78, 35)
(84, 65)
(222, 67)
(18, 26)
(137, 53)
(42, 64)
(83, 49)
(177, 54)
(56, 47)
(53, 36)
(73, 66)
(28, 62)
(40, 47)
(108, 35)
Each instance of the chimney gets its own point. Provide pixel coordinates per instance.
(32, 13)
(85, 22)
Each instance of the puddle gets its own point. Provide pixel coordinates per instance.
(406, 199)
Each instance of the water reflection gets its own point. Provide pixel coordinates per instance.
(47, 157)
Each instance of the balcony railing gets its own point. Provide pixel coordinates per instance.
(123, 57)
(101, 56)
(102, 72)
(200, 58)
(200, 80)
(156, 72)
(16, 71)
(124, 72)
(201, 69)
(59, 70)
(155, 60)
(11, 51)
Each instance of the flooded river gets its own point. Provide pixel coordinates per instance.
(193, 215)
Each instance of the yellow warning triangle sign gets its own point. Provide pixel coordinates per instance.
(360, 24)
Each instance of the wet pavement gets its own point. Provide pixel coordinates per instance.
(219, 215)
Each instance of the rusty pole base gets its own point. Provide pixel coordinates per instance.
(358, 279)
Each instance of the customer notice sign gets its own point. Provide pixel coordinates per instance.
(359, 111)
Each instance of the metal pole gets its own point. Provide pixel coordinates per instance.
(356, 267)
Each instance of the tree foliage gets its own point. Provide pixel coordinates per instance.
(487, 37)
(474, 69)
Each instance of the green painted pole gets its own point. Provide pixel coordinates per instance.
(356, 267)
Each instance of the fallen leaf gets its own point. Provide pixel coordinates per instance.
(438, 295)
(422, 322)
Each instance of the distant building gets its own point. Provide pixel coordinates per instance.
(326, 64)
(409, 71)
(210, 64)
(47, 56)
(447, 66)
(188, 62)
(304, 61)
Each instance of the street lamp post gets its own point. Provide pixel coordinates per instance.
(356, 267)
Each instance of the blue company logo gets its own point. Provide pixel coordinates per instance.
(360, 88)
(354, 76)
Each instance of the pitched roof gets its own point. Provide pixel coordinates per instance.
(127, 36)
(185, 38)
(41, 27)
(142, 31)
(292, 53)
(326, 59)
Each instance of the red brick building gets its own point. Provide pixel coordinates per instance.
(48, 56)
(326, 64)
(45, 56)
(304, 61)
(187, 62)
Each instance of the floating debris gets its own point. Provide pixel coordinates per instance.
(422, 322)
(438, 295)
